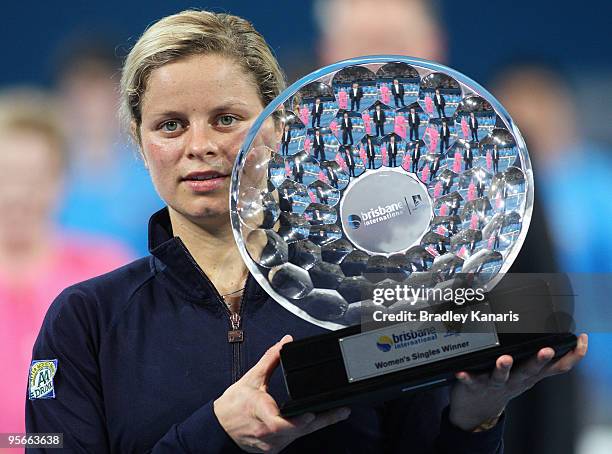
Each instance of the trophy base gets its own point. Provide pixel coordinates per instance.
(319, 376)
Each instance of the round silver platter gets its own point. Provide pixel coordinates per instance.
(376, 172)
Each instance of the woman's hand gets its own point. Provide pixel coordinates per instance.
(251, 417)
(478, 400)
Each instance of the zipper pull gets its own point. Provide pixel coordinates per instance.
(235, 334)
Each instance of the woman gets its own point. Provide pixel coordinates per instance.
(38, 258)
(177, 352)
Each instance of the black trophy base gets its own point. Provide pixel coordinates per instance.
(317, 379)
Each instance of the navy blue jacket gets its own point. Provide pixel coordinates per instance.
(143, 352)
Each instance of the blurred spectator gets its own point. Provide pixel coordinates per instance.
(108, 190)
(351, 28)
(573, 176)
(412, 27)
(37, 260)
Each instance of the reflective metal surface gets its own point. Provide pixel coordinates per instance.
(373, 172)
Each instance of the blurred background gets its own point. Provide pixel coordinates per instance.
(75, 197)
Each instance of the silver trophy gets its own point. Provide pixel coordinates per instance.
(381, 172)
(374, 171)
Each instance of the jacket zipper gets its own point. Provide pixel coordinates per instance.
(235, 334)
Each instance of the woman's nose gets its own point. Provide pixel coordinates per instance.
(203, 142)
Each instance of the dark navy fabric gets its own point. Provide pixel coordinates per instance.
(143, 353)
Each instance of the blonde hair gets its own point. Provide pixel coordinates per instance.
(33, 111)
(194, 32)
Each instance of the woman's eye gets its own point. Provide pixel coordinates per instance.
(170, 126)
(226, 120)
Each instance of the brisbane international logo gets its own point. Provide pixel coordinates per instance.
(376, 215)
(406, 339)
(384, 343)
(354, 221)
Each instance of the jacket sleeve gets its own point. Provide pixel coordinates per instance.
(421, 421)
(200, 433)
(71, 334)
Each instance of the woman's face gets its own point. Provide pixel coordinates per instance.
(30, 185)
(195, 115)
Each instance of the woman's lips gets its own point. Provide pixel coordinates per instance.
(207, 185)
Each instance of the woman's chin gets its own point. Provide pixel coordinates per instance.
(203, 212)
(209, 215)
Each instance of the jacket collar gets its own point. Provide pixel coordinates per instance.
(178, 267)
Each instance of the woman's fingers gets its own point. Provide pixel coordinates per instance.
(501, 373)
(306, 423)
(569, 360)
(326, 418)
(488, 394)
(466, 378)
(251, 416)
(292, 427)
(534, 366)
(260, 373)
(498, 377)
(302, 420)
(540, 366)
(265, 408)
(285, 430)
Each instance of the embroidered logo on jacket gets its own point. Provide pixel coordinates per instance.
(40, 382)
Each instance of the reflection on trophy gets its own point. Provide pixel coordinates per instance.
(444, 141)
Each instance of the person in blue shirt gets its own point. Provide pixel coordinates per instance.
(107, 191)
(178, 351)
(572, 176)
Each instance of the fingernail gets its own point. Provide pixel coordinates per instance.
(345, 413)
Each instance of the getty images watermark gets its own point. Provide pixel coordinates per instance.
(410, 295)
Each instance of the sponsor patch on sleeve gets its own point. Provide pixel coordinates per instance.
(40, 382)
